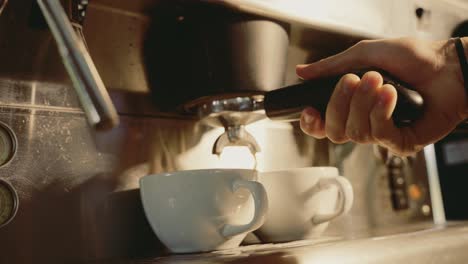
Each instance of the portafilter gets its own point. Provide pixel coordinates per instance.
(234, 111)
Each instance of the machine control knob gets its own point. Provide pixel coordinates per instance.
(8, 203)
(7, 144)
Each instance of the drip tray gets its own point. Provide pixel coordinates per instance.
(434, 244)
(264, 248)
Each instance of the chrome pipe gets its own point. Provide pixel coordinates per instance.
(94, 98)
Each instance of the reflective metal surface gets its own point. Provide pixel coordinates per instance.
(75, 192)
(233, 114)
(88, 84)
(78, 189)
(416, 244)
(236, 136)
(79, 186)
(28, 49)
(2, 5)
(221, 112)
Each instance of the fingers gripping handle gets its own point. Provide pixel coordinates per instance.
(286, 104)
(261, 207)
(345, 201)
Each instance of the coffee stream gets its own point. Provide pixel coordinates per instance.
(237, 157)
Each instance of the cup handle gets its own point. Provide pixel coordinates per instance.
(261, 207)
(346, 198)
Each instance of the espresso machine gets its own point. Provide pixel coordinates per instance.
(97, 94)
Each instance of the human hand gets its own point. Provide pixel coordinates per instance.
(360, 110)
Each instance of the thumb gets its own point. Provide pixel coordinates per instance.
(359, 56)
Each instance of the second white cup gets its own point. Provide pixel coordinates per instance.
(302, 202)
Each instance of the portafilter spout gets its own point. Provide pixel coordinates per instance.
(235, 136)
(233, 114)
(234, 111)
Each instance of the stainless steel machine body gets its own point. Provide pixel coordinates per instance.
(77, 188)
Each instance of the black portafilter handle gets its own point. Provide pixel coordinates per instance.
(286, 104)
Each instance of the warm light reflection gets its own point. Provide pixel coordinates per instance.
(237, 157)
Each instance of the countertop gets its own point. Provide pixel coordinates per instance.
(422, 243)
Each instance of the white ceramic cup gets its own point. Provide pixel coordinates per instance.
(302, 202)
(203, 210)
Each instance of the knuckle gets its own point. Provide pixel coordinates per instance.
(376, 120)
(311, 130)
(373, 82)
(350, 77)
(389, 87)
(407, 146)
(378, 131)
(363, 43)
(336, 135)
(348, 81)
(361, 103)
(356, 134)
(365, 50)
(399, 151)
(360, 49)
(403, 146)
(379, 134)
(306, 128)
(338, 140)
(372, 75)
(308, 131)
